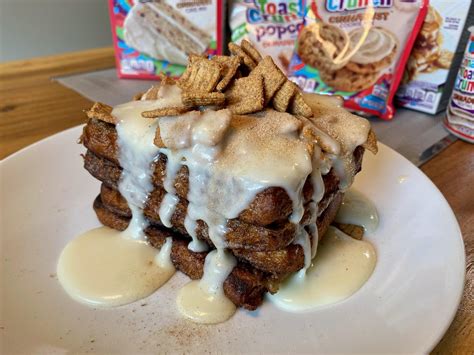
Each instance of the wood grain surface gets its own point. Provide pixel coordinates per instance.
(452, 171)
(32, 107)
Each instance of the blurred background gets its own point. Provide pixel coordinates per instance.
(52, 26)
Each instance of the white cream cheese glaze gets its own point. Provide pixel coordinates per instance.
(343, 265)
(106, 268)
(359, 210)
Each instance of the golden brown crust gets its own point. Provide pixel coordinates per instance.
(152, 93)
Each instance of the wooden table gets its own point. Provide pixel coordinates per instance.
(33, 107)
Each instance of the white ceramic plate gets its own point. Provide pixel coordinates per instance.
(406, 305)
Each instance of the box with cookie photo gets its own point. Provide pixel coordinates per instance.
(154, 37)
(436, 55)
(357, 50)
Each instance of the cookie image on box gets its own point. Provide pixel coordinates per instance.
(357, 50)
(323, 46)
(162, 32)
(347, 62)
(376, 53)
(347, 80)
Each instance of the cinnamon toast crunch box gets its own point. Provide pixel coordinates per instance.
(153, 37)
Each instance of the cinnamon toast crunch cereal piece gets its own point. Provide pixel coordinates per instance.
(101, 112)
(282, 98)
(195, 57)
(158, 141)
(166, 80)
(230, 65)
(203, 75)
(246, 95)
(239, 52)
(248, 48)
(183, 80)
(137, 96)
(151, 93)
(299, 107)
(164, 111)
(371, 143)
(196, 98)
(353, 230)
(273, 78)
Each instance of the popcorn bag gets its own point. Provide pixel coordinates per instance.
(272, 26)
(153, 37)
(356, 49)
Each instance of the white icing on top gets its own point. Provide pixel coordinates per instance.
(348, 130)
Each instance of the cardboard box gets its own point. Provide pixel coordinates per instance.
(435, 58)
(153, 37)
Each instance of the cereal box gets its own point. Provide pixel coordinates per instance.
(356, 49)
(153, 37)
(427, 76)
